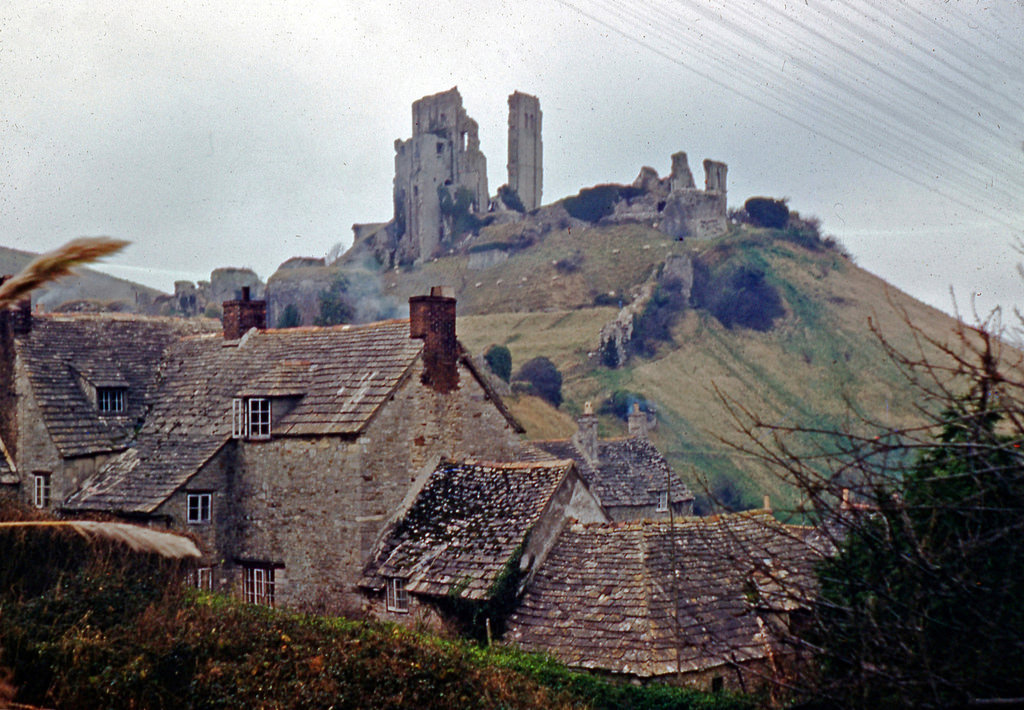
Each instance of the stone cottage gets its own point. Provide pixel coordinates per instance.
(702, 601)
(284, 452)
(472, 536)
(629, 477)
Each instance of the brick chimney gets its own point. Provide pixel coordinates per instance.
(243, 314)
(432, 319)
(585, 437)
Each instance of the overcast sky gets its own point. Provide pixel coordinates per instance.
(243, 133)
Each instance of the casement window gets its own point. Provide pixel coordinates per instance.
(397, 596)
(258, 585)
(662, 501)
(198, 507)
(201, 578)
(111, 400)
(41, 490)
(250, 418)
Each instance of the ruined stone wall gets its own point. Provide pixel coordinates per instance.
(525, 149)
(317, 505)
(444, 151)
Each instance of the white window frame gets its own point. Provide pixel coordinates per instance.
(397, 596)
(198, 508)
(258, 585)
(662, 501)
(258, 418)
(237, 418)
(41, 490)
(112, 400)
(201, 578)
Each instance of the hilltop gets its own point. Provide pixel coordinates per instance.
(548, 284)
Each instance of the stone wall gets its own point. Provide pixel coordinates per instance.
(316, 506)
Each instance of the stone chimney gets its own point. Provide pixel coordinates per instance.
(585, 437)
(432, 319)
(243, 314)
(637, 421)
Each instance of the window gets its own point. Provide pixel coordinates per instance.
(259, 418)
(41, 490)
(201, 578)
(111, 400)
(237, 418)
(398, 597)
(259, 585)
(199, 507)
(663, 501)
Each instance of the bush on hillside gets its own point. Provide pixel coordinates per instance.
(499, 360)
(620, 404)
(738, 296)
(767, 212)
(593, 203)
(335, 308)
(543, 379)
(654, 324)
(290, 317)
(511, 198)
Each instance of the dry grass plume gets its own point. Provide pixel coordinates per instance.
(136, 537)
(55, 264)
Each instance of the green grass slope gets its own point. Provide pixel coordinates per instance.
(819, 365)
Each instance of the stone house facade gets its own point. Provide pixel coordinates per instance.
(283, 452)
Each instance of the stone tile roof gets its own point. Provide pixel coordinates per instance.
(603, 598)
(464, 527)
(629, 472)
(65, 355)
(340, 376)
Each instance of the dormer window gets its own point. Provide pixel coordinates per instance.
(112, 400)
(397, 595)
(250, 418)
(663, 501)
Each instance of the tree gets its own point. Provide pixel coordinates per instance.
(919, 602)
(499, 360)
(290, 317)
(543, 378)
(334, 306)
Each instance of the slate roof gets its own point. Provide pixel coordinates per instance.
(66, 354)
(629, 472)
(465, 526)
(340, 377)
(603, 598)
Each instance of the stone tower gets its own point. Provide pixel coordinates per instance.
(525, 151)
(444, 152)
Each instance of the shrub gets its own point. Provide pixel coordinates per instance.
(593, 203)
(334, 306)
(213, 311)
(544, 379)
(458, 212)
(511, 198)
(570, 264)
(737, 296)
(290, 317)
(654, 325)
(620, 404)
(767, 212)
(499, 360)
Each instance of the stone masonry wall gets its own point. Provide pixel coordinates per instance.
(525, 149)
(317, 505)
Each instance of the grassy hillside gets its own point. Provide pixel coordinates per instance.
(818, 365)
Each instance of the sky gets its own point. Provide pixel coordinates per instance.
(232, 133)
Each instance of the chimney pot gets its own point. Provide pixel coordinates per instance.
(245, 293)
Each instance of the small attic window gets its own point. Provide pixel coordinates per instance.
(258, 424)
(663, 501)
(111, 400)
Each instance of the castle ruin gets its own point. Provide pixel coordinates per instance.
(525, 150)
(441, 173)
